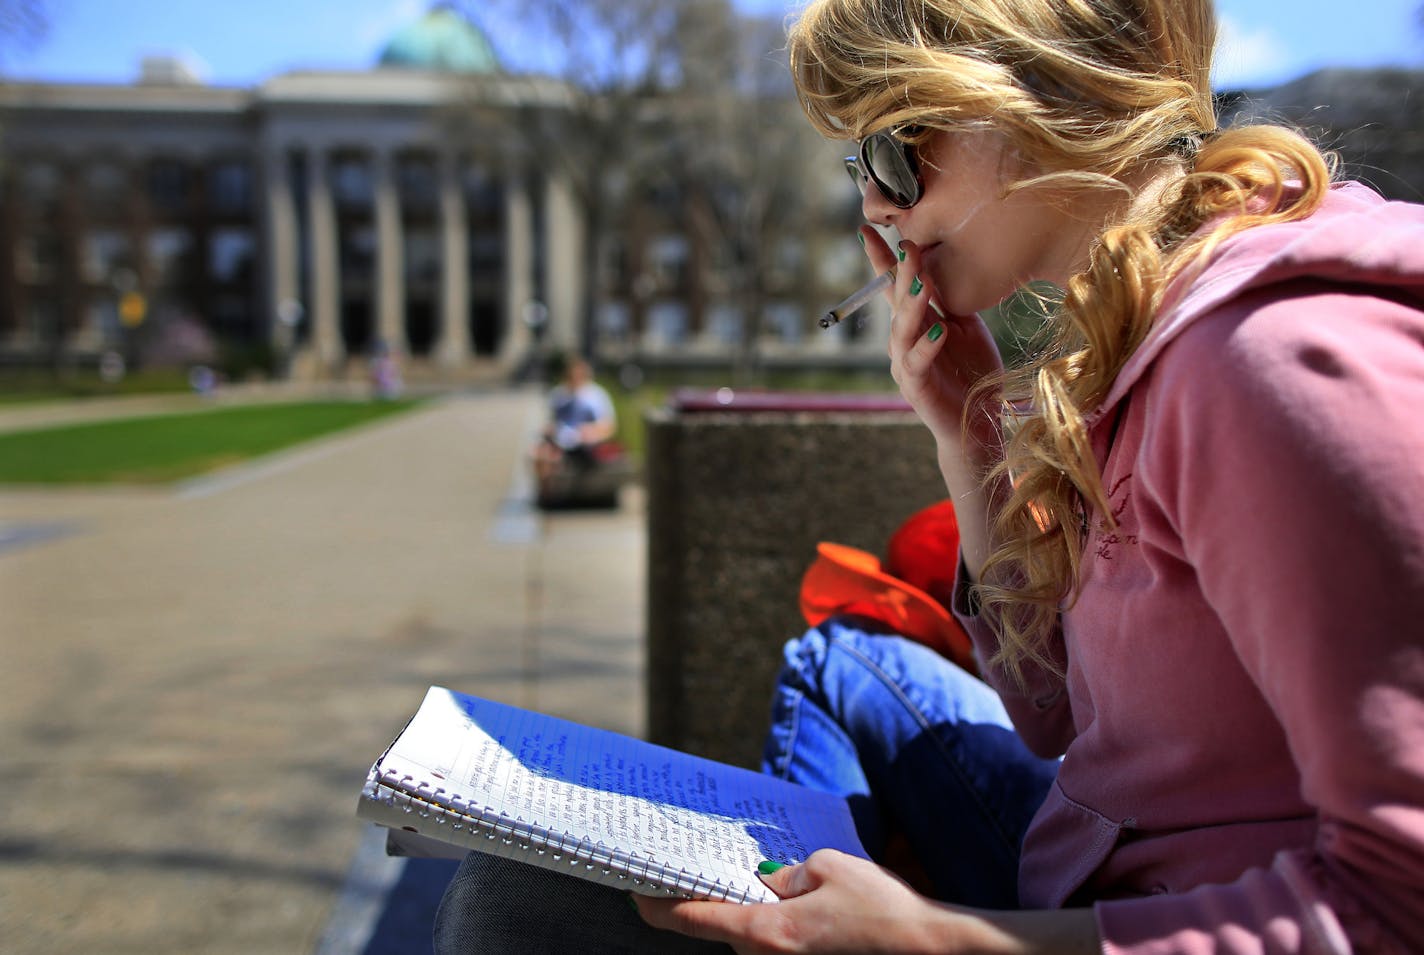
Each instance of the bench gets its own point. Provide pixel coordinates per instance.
(741, 487)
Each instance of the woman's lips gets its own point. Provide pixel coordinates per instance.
(929, 259)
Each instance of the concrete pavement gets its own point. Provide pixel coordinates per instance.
(196, 678)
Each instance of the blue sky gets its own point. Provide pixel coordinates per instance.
(241, 43)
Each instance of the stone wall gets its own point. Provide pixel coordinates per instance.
(738, 497)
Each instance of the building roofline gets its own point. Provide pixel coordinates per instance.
(136, 97)
(395, 86)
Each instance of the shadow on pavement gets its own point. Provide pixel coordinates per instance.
(405, 923)
(387, 906)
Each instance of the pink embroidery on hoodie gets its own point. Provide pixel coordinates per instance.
(1119, 496)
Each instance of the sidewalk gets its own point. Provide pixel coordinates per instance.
(197, 678)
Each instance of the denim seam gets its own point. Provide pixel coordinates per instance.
(793, 724)
(920, 718)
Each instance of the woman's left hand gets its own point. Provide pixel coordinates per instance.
(835, 902)
(831, 903)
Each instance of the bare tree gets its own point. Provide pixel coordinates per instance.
(613, 57)
(754, 160)
(23, 23)
(685, 99)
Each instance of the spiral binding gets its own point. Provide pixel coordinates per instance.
(449, 808)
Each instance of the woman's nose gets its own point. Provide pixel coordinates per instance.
(875, 207)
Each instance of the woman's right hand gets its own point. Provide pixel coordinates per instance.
(936, 359)
(937, 372)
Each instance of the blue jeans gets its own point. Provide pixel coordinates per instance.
(923, 752)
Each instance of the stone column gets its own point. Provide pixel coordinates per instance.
(563, 264)
(283, 298)
(14, 320)
(390, 255)
(518, 269)
(69, 223)
(453, 341)
(325, 265)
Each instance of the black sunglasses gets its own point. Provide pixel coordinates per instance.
(890, 163)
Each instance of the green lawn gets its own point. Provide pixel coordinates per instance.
(157, 449)
(26, 386)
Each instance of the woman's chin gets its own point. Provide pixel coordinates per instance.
(957, 297)
(964, 305)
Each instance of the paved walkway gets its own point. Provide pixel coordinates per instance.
(195, 679)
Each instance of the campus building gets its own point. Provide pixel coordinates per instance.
(320, 216)
(319, 213)
(323, 215)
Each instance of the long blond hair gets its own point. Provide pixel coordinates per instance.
(1087, 93)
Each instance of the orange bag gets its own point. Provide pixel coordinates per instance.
(910, 592)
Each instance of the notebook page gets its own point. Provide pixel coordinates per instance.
(657, 804)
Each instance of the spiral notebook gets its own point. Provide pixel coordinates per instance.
(476, 774)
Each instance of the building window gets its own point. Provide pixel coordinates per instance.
(483, 195)
(38, 257)
(667, 323)
(841, 266)
(664, 194)
(783, 321)
(612, 262)
(169, 255)
(40, 187)
(723, 267)
(788, 259)
(418, 184)
(615, 186)
(106, 188)
(107, 255)
(230, 187)
(101, 320)
(231, 253)
(351, 183)
(358, 251)
(667, 258)
(614, 325)
(724, 324)
(168, 185)
(486, 254)
(422, 255)
(42, 322)
(233, 318)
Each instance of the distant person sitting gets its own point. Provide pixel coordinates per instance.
(581, 419)
(385, 373)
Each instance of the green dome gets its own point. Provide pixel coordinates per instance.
(441, 40)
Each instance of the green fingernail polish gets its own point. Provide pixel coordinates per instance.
(916, 285)
(861, 237)
(901, 254)
(936, 330)
(767, 868)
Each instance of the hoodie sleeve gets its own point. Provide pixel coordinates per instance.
(1039, 708)
(1286, 441)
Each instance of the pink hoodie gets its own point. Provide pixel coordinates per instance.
(1243, 714)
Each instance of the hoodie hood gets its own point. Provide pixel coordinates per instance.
(1356, 237)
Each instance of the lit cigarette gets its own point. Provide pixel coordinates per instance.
(858, 298)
